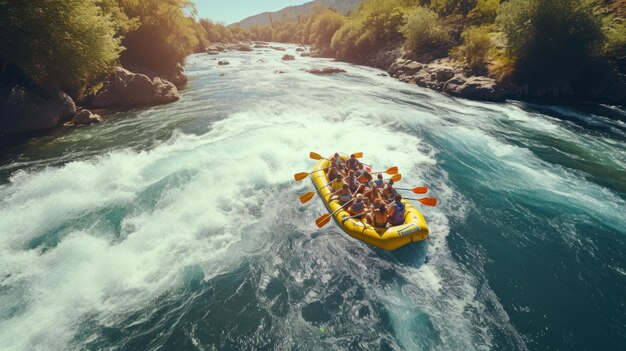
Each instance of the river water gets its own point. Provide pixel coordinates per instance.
(179, 226)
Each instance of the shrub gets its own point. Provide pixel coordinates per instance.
(551, 41)
(485, 11)
(615, 37)
(323, 27)
(57, 43)
(475, 48)
(423, 32)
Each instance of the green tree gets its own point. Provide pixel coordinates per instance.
(165, 34)
(57, 43)
(551, 41)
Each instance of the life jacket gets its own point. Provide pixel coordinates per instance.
(387, 193)
(398, 214)
(336, 185)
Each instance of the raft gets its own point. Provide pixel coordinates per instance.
(414, 228)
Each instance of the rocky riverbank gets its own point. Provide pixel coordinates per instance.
(24, 110)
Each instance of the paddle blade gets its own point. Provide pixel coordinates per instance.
(420, 190)
(306, 197)
(396, 178)
(315, 156)
(299, 176)
(322, 220)
(428, 201)
(392, 170)
(358, 154)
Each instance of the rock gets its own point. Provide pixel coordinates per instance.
(383, 74)
(221, 74)
(261, 46)
(176, 75)
(305, 54)
(287, 57)
(326, 70)
(243, 47)
(299, 49)
(475, 88)
(277, 48)
(223, 63)
(216, 47)
(128, 89)
(25, 111)
(279, 71)
(86, 117)
(404, 67)
(212, 53)
(440, 72)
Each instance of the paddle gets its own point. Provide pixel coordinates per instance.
(396, 178)
(355, 216)
(325, 218)
(317, 156)
(428, 201)
(302, 175)
(304, 198)
(417, 189)
(391, 171)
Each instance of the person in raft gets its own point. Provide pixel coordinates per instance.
(378, 217)
(352, 163)
(337, 183)
(352, 181)
(396, 211)
(389, 192)
(332, 173)
(337, 161)
(365, 175)
(342, 195)
(358, 207)
(372, 196)
(379, 181)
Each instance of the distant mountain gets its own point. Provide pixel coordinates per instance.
(291, 12)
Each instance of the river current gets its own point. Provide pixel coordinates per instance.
(178, 227)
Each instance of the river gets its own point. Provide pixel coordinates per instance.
(179, 226)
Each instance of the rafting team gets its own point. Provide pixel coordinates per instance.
(374, 199)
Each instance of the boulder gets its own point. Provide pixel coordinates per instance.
(300, 49)
(128, 89)
(279, 71)
(475, 88)
(261, 46)
(223, 63)
(404, 67)
(440, 72)
(85, 117)
(243, 47)
(23, 110)
(212, 53)
(277, 48)
(326, 70)
(287, 57)
(305, 54)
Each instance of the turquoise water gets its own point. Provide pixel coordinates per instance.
(178, 226)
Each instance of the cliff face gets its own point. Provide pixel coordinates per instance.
(292, 12)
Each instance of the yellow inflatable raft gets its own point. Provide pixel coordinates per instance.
(414, 228)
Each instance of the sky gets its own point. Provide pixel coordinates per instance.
(230, 11)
